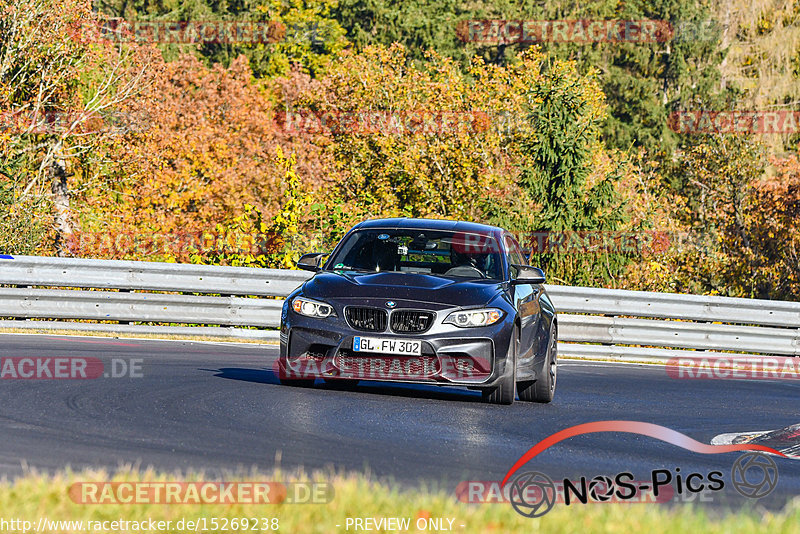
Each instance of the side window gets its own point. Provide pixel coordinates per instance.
(515, 255)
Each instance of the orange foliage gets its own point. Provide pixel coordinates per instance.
(773, 226)
(209, 149)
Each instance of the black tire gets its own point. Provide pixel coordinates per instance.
(543, 389)
(505, 391)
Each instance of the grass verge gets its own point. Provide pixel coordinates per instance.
(36, 496)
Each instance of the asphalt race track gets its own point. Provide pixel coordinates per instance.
(219, 408)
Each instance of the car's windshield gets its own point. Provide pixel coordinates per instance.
(444, 253)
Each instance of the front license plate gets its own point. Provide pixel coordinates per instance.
(387, 346)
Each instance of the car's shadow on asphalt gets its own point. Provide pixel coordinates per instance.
(259, 376)
(416, 391)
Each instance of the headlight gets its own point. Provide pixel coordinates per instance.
(311, 308)
(470, 318)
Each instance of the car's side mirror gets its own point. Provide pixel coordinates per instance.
(528, 275)
(310, 262)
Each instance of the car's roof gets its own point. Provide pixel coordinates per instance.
(429, 224)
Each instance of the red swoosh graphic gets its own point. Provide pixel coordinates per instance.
(633, 427)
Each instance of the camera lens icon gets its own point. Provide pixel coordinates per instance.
(601, 489)
(532, 494)
(754, 475)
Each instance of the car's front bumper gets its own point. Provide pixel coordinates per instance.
(323, 348)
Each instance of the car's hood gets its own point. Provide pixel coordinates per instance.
(402, 286)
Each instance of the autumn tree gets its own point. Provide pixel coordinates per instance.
(300, 32)
(566, 112)
(209, 150)
(715, 249)
(57, 91)
(424, 140)
(772, 214)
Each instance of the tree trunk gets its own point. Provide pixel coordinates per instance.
(60, 191)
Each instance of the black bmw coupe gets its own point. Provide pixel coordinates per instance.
(425, 301)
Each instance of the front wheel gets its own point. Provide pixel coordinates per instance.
(543, 389)
(505, 391)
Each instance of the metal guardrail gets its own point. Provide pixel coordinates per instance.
(140, 307)
(619, 302)
(640, 324)
(592, 322)
(150, 276)
(686, 335)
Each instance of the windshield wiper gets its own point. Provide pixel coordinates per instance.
(352, 269)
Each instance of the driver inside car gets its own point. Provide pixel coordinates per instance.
(465, 264)
(377, 256)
